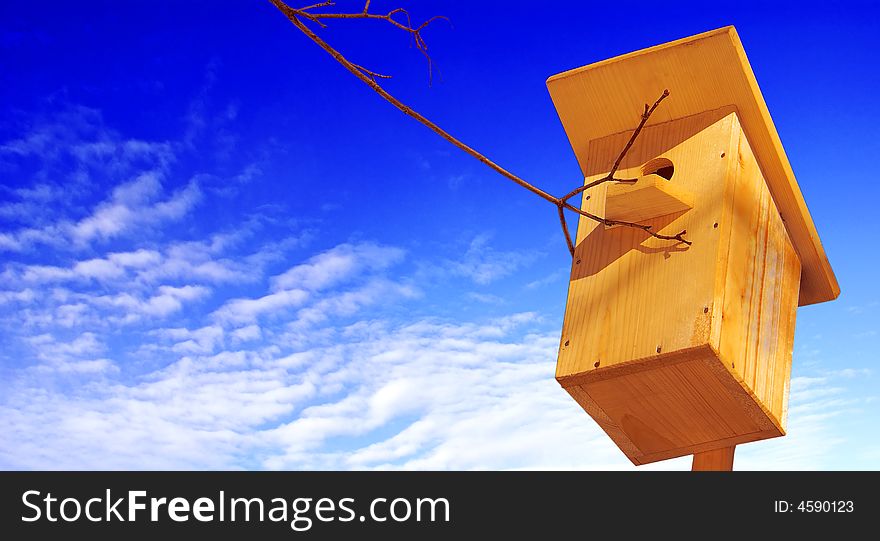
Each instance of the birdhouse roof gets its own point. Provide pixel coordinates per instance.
(703, 72)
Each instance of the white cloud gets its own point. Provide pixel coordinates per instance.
(134, 204)
(79, 132)
(94, 366)
(815, 405)
(482, 264)
(328, 365)
(78, 155)
(486, 298)
(46, 273)
(422, 394)
(24, 296)
(204, 340)
(74, 356)
(115, 265)
(137, 259)
(462, 401)
(248, 310)
(169, 299)
(248, 333)
(347, 303)
(337, 265)
(101, 269)
(85, 344)
(552, 278)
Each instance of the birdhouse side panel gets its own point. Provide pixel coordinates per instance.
(759, 287)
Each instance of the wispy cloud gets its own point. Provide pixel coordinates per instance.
(136, 336)
(77, 355)
(337, 265)
(99, 155)
(135, 204)
(817, 403)
(247, 310)
(374, 393)
(483, 264)
(552, 278)
(166, 300)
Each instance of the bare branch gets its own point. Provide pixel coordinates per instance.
(321, 5)
(369, 77)
(292, 15)
(644, 227)
(610, 176)
(565, 229)
(645, 116)
(371, 74)
(407, 26)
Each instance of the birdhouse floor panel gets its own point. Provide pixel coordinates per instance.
(674, 405)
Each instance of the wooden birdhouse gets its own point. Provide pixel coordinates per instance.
(679, 349)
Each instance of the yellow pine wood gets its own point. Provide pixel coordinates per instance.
(651, 196)
(703, 73)
(761, 279)
(721, 311)
(715, 460)
(630, 293)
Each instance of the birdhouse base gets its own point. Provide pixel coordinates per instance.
(672, 405)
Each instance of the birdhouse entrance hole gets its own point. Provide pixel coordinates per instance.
(659, 166)
(652, 195)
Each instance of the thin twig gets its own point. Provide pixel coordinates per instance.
(415, 32)
(321, 5)
(369, 77)
(562, 221)
(644, 227)
(371, 74)
(292, 15)
(632, 139)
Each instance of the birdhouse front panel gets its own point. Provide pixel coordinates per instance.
(676, 349)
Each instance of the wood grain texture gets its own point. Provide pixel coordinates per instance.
(703, 73)
(651, 196)
(673, 410)
(715, 460)
(629, 293)
(761, 274)
(676, 350)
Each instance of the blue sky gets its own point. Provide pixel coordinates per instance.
(220, 250)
